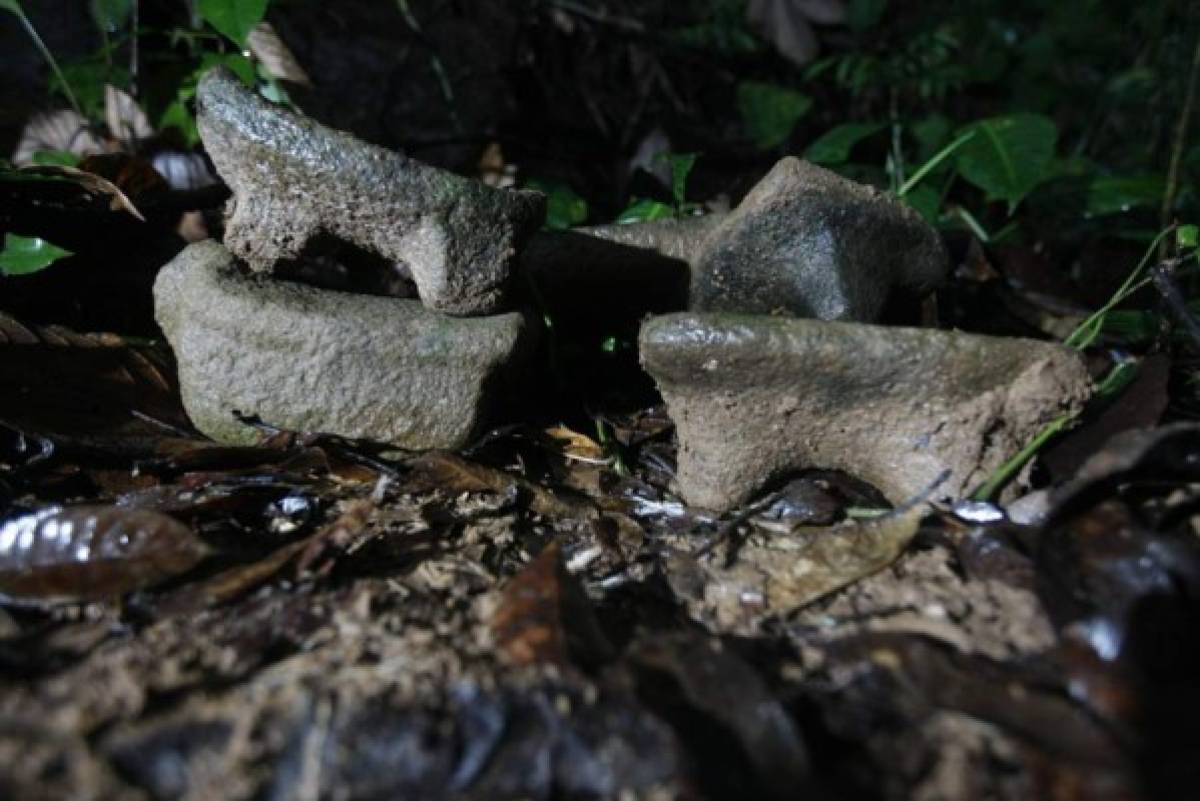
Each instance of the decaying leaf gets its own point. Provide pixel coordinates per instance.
(453, 474)
(87, 553)
(65, 131)
(124, 117)
(276, 56)
(787, 24)
(92, 186)
(776, 575)
(543, 617)
(305, 553)
(86, 388)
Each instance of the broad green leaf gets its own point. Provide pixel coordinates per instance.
(770, 112)
(926, 200)
(238, 64)
(644, 209)
(1114, 195)
(834, 146)
(56, 158)
(28, 254)
(930, 133)
(13, 6)
(111, 15)
(234, 18)
(1186, 236)
(564, 207)
(1008, 156)
(681, 168)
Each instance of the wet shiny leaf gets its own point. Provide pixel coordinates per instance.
(85, 553)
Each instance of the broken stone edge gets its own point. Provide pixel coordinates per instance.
(755, 398)
(310, 359)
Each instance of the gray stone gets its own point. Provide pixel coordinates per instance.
(757, 397)
(804, 242)
(298, 184)
(809, 243)
(309, 359)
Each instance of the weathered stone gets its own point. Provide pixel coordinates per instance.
(298, 184)
(309, 359)
(804, 242)
(809, 243)
(757, 397)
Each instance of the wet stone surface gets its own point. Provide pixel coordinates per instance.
(308, 359)
(754, 398)
(300, 188)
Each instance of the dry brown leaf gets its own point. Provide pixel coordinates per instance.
(438, 470)
(276, 56)
(90, 183)
(126, 121)
(787, 24)
(64, 130)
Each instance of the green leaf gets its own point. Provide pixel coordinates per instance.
(56, 158)
(770, 112)
(1008, 156)
(234, 18)
(13, 6)
(1186, 236)
(930, 134)
(834, 146)
(926, 200)
(111, 15)
(1114, 195)
(643, 209)
(681, 168)
(564, 207)
(27, 254)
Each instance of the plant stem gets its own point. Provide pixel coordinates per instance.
(1087, 331)
(46, 54)
(933, 163)
(1005, 473)
(1177, 148)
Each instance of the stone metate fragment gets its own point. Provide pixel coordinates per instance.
(298, 184)
(309, 359)
(804, 242)
(807, 242)
(757, 397)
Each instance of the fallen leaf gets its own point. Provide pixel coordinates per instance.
(544, 617)
(88, 553)
(439, 470)
(276, 56)
(775, 575)
(64, 131)
(126, 121)
(787, 24)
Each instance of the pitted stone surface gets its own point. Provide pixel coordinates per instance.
(809, 243)
(296, 181)
(757, 397)
(309, 359)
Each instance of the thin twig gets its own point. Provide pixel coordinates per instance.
(1177, 148)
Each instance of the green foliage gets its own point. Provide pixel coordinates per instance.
(233, 18)
(770, 112)
(643, 209)
(56, 158)
(564, 207)
(22, 255)
(834, 146)
(1008, 156)
(864, 14)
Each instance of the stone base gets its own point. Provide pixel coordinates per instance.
(309, 359)
(756, 397)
